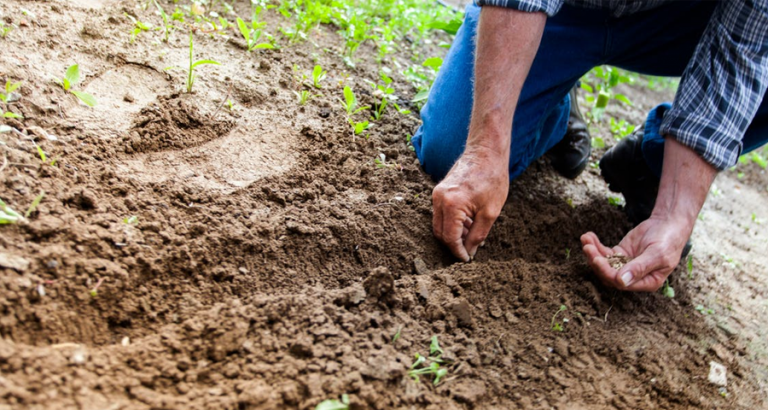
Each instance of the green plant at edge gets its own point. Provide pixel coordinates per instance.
(72, 78)
(318, 75)
(138, 27)
(167, 25)
(6, 96)
(334, 404)
(193, 64)
(555, 325)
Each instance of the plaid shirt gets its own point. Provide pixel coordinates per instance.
(724, 83)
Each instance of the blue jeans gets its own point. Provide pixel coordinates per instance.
(655, 42)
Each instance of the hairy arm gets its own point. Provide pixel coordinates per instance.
(468, 201)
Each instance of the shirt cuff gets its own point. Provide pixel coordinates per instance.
(550, 7)
(700, 134)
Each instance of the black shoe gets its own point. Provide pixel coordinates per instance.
(571, 155)
(625, 171)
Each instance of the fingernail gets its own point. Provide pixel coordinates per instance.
(626, 278)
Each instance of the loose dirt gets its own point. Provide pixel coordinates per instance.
(617, 261)
(272, 262)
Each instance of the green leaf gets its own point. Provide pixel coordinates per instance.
(244, 29)
(667, 290)
(586, 87)
(623, 98)
(450, 27)
(11, 115)
(598, 142)
(602, 99)
(267, 46)
(201, 62)
(86, 98)
(332, 404)
(11, 87)
(41, 153)
(34, 204)
(420, 96)
(433, 62)
(72, 76)
(434, 347)
(349, 97)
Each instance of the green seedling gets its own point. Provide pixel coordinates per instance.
(4, 30)
(381, 162)
(379, 109)
(8, 215)
(567, 253)
(689, 266)
(138, 27)
(409, 143)
(10, 87)
(756, 220)
(621, 129)
(604, 79)
(350, 102)
(95, 290)
(435, 358)
(72, 78)
(251, 34)
(334, 404)
(359, 127)
(318, 75)
(705, 311)
(555, 325)
(304, 96)
(43, 157)
(615, 201)
(667, 290)
(397, 335)
(131, 220)
(193, 64)
(401, 110)
(598, 143)
(167, 22)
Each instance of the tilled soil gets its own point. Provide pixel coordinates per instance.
(273, 264)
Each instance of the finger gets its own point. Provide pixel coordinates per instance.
(604, 271)
(651, 282)
(590, 238)
(478, 232)
(464, 233)
(635, 270)
(437, 217)
(453, 225)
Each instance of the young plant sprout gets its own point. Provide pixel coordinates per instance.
(138, 27)
(304, 96)
(9, 216)
(193, 64)
(667, 290)
(557, 326)
(167, 25)
(5, 97)
(334, 404)
(72, 78)
(318, 75)
(252, 34)
(435, 358)
(350, 102)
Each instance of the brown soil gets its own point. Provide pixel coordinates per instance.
(272, 262)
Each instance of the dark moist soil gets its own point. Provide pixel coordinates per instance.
(272, 262)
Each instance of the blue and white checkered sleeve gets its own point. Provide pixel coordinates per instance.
(551, 7)
(724, 83)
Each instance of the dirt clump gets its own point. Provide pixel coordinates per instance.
(617, 261)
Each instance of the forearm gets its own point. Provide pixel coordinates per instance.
(685, 182)
(507, 42)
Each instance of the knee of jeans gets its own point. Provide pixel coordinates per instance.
(437, 149)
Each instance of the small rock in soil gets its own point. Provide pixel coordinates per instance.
(419, 267)
(463, 312)
(14, 262)
(717, 374)
(617, 261)
(379, 284)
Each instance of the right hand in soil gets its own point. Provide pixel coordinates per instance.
(467, 202)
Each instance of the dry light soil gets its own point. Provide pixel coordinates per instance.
(272, 263)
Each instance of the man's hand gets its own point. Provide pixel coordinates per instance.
(653, 247)
(656, 244)
(467, 202)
